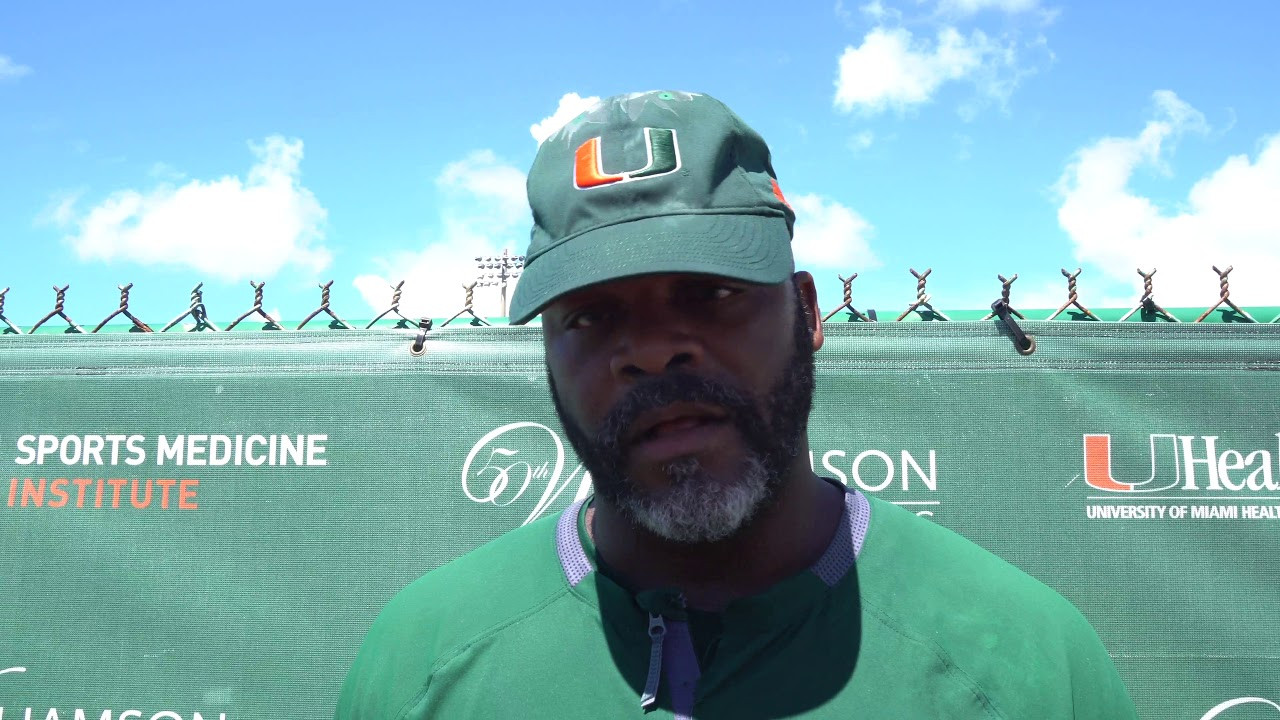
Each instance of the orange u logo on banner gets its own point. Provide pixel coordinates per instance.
(660, 144)
(1166, 471)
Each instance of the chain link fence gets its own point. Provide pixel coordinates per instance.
(196, 316)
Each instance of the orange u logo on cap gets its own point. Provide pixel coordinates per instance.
(660, 144)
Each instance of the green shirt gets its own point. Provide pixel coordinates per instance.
(900, 619)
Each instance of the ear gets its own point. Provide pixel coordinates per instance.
(808, 292)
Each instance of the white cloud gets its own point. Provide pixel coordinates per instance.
(842, 12)
(862, 141)
(970, 7)
(830, 235)
(1230, 216)
(485, 213)
(571, 105)
(9, 70)
(61, 210)
(874, 10)
(892, 69)
(230, 228)
(482, 176)
(164, 172)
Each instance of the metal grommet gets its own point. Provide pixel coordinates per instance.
(419, 346)
(1030, 347)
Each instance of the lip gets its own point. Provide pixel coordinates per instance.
(648, 422)
(677, 430)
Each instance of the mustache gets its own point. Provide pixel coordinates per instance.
(663, 390)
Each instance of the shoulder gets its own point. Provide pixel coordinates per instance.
(1013, 639)
(938, 564)
(445, 610)
(486, 585)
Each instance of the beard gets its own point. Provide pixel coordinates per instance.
(697, 507)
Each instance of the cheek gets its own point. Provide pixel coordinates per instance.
(757, 355)
(577, 387)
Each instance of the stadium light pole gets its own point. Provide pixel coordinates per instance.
(495, 271)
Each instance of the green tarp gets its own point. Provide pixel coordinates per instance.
(204, 524)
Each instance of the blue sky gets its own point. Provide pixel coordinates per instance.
(297, 143)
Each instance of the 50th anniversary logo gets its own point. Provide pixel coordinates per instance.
(1193, 477)
(527, 458)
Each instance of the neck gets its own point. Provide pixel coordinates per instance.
(785, 537)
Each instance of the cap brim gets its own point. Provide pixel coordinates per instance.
(754, 248)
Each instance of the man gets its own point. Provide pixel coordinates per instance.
(713, 574)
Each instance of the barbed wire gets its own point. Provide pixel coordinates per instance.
(920, 308)
(396, 291)
(124, 310)
(922, 300)
(197, 312)
(467, 308)
(338, 323)
(1147, 304)
(1224, 296)
(1073, 296)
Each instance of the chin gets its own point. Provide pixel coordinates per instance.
(697, 505)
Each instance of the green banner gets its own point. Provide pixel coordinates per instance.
(204, 525)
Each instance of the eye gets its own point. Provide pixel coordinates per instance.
(589, 317)
(580, 320)
(710, 291)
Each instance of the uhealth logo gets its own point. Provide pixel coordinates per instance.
(1185, 462)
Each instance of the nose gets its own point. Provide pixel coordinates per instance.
(655, 343)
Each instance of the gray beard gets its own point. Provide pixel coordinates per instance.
(697, 508)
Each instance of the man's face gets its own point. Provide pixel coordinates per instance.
(686, 396)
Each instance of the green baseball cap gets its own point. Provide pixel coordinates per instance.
(652, 182)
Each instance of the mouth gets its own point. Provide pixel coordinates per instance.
(673, 418)
(680, 428)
